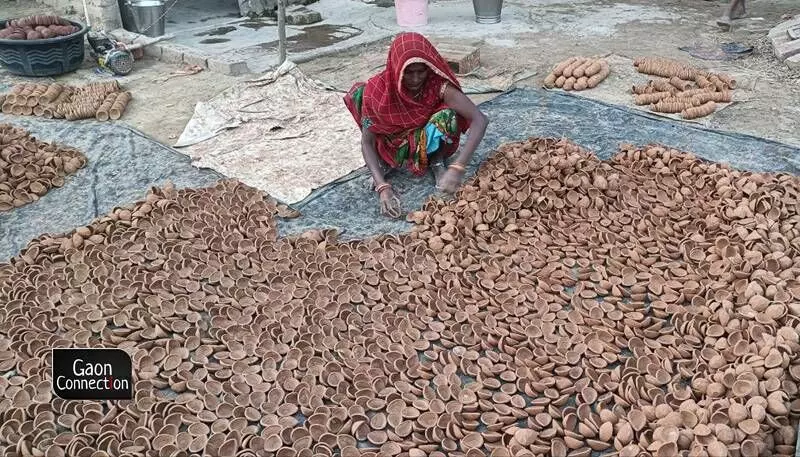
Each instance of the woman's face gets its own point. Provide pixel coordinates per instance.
(414, 77)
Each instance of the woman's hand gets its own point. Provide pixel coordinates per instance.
(451, 180)
(390, 204)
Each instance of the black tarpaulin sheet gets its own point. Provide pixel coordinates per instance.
(123, 164)
(600, 127)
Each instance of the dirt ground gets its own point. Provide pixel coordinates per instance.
(161, 104)
(768, 100)
(767, 104)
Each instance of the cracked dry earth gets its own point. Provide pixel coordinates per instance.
(559, 306)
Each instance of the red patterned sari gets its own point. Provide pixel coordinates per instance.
(402, 123)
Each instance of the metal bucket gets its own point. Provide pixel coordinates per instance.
(487, 11)
(126, 13)
(149, 17)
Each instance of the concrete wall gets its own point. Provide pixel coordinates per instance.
(103, 14)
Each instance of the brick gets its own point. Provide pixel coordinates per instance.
(793, 62)
(227, 68)
(788, 49)
(462, 59)
(170, 54)
(782, 28)
(302, 16)
(779, 40)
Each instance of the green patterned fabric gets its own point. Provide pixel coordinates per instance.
(446, 121)
(410, 147)
(358, 98)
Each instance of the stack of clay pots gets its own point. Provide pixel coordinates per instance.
(113, 106)
(577, 73)
(66, 102)
(558, 306)
(29, 168)
(690, 91)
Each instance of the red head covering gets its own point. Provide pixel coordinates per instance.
(387, 105)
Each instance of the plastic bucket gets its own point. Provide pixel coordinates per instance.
(411, 13)
(45, 57)
(126, 14)
(149, 17)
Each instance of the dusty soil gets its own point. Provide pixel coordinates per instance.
(161, 104)
(165, 101)
(768, 99)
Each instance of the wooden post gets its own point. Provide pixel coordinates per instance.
(281, 31)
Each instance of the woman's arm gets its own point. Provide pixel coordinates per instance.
(462, 105)
(370, 153)
(390, 204)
